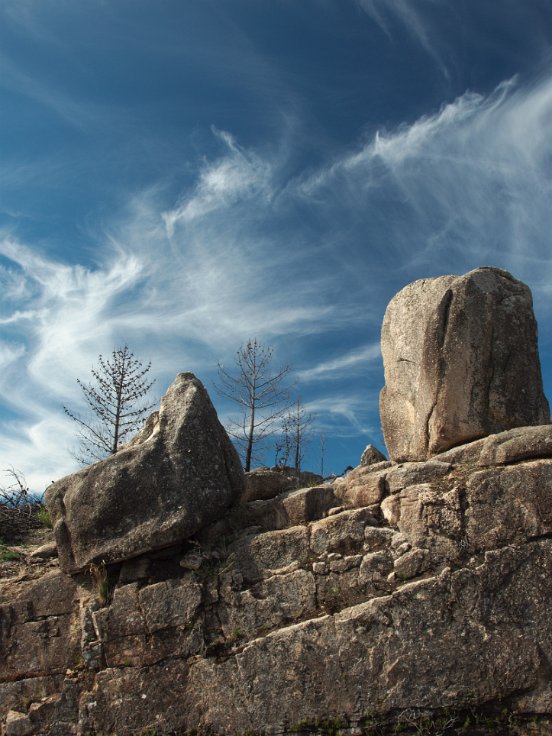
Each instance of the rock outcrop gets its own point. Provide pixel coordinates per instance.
(409, 597)
(461, 362)
(182, 474)
(400, 593)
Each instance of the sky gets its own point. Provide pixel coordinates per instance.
(183, 176)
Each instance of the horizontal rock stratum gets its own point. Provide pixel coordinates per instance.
(425, 589)
(461, 361)
(178, 476)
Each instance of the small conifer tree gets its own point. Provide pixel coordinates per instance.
(115, 407)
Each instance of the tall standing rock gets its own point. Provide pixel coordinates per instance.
(182, 474)
(461, 362)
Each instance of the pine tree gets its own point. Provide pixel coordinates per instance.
(114, 404)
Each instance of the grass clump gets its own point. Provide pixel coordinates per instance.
(98, 573)
(7, 554)
(43, 517)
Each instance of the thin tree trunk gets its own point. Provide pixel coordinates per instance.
(250, 439)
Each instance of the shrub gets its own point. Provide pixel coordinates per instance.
(18, 508)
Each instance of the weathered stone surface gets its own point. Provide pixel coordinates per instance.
(36, 637)
(152, 494)
(133, 700)
(352, 615)
(343, 533)
(287, 509)
(18, 724)
(363, 486)
(263, 555)
(266, 606)
(18, 693)
(410, 474)
(461, 362)
(371, 456)
(265, 483)
(307, 504)
(451, 640)
(143, 626)
(486, 509)
(512, 446)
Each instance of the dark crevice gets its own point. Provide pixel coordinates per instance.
(446, 305)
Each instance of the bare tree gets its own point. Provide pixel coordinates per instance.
(20, 511)
(114, 404)
(295, 435)
(259, 391)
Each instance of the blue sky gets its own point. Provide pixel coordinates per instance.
(182, 176)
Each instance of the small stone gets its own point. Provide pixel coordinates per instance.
(371, 456)
(403, 548)
(191, 561)
(411, 564)
(374, 567)
(17, 724)
(45, 551)
(391, 510)
(346, 563)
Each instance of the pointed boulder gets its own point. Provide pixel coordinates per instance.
(181, 474)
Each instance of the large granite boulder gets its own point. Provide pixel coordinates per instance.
(182, 475)
(461, 362)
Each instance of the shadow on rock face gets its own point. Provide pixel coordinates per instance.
(161, 490)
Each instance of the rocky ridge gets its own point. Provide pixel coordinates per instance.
(406, 596)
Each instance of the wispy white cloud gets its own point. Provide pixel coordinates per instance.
(342, 415)
(342, 365)
(9, 354)
(235, 176)
(412, 17)
(13, 286)
(183, 301)
(472, 182)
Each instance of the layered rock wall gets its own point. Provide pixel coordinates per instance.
(409, 597)
(434, 595)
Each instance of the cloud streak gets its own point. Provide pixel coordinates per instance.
(346, 364)
(414, 21)
(473, 178)
(236, 176)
